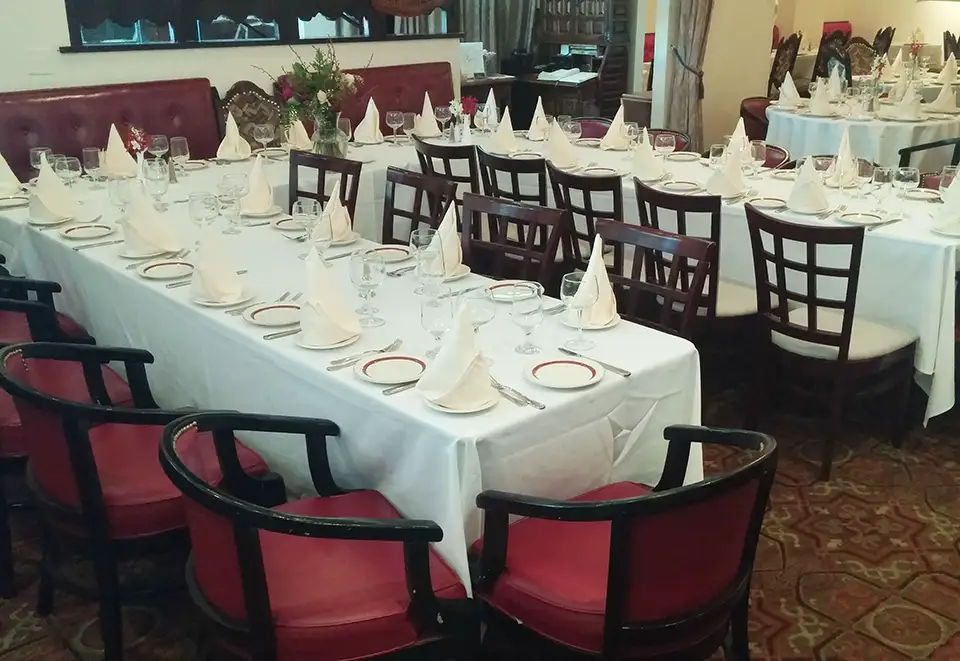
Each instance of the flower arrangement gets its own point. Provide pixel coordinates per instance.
(314, 89)
(465, 107)
(916, 42)
(137, 141)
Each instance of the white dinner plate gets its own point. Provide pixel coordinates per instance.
(600, 171)
(243, 298)
(273, 314)
(502, 292)
(681, 186)
(166, 269)
(944, 111)
(272, 152)
(564, 373)
(862, 218)
(572, 323)
(390, 369)
(664, 176)
(807, 212)
(588, 142)
(232, 159)
(767, 202)
(358, 143)
(269, 213)
(785, 175)
(924, 194)
(287, 224)
(392, 254)
(525, 155)
(14, 201)
(48, 223)
(462, 271)
(328, 347)
(810, 113)
(684, 156)
(895, 118)
(79, 232)
(476, 409)
(195, 165)
(346, 242)
(126, 254)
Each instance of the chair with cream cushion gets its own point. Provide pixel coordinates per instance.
(813, 342)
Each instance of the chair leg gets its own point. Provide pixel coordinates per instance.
(835, 429)
(6, 549)
(49, 559)
(111, 614)
(739, 634)
(901, 411)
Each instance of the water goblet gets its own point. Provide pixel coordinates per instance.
(395, 121)
(203, 209)
(716, 156)
(758, 153)
(574, 130)
(906, 179)
(883, 184)
(159, 145)
(947, 175)
(479, 119)
(578, 292)
(633, 133)
(822, 164)
(345, 127)
(179, 152)
(156, 177)
(264, 134)
(91, 166)
(120, 190)
(36, 154)
(443, 115)
(306, 213)
(68, 168)
(430, 271)
(864, 177)
(480, 305)
(367, 271)
(409, 124)
(564, 120)
(436, 317)
(527, 313)
(664, 143)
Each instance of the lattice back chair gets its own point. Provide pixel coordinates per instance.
(830, 44)
(950, 45)
(251, 105)
(338, 576)
(587, 199)
(511, 178)
(841, 59)
(455, 163)
(807, 279)
(521, 239)
(626, 571)
(431, 197)
(783, 62)
(907, 152)
(348, 186)
(883, 40)
(861, 54)
(663, 293)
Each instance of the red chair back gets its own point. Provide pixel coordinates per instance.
(753, 110)
(930, 180)
(776, 157)
(593, 127)
(682, 139)
(649, 43)
(829, 27)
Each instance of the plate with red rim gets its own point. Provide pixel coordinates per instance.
(682, 156)
(564, 373)
(502, 292)
(392, 254)
(287, 224)
(195, 165)
(525, 155)
(681, 186)
(273, 315)
(390, 369)
(862, 218)
(924, 194)
(483, 406)
(82, 232)
(165, 269)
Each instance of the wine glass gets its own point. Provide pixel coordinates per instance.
(159, 145)
(421, 239)
(91, 165)
(229, 191)
(443, 115)
(664, 143)
(436, 317)
(395, 121)
(367, 271)
(906, 179)
(883, 183)
(758, 153)
(306, 213)
(264, 134)
(409, 124)
(120, 190)
(179, 151)
(156, 175)
(564, 120)
(203, 208)
(864, 176)
(579, 301)
(716, 156)
(822, 164)
(947, 175)
(35, 155)
(430, 270)
(321, 234)
(633, 133)
(345, 127)
(527, 313)
(480, 305)
(68, 168)
(574, 130)
(480, 119)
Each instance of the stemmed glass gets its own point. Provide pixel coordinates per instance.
(479, 119)
(883, 183)
(664, 143)
(91, 165)
(321, 234)
(120, 190)
(159, 145)
(179, 152)
(306, 213)
(420, 240)
(947, 175)
(578, 301)
(443, 115)
(345, 127)
(573, 130)
(481, 306)
(264, 134)
(367, 271)
(527, 313)
(156, 175)
(229, 191)
(68, 169)
(436, 317)
(203, 208)
(564, 120)
(716, 156)
(35, 154)
(409, 124)
(906, 179)
(430, 271)
(395, 121)
(864, 177)
(758, 153)
(633, 133)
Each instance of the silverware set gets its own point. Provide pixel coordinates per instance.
(187, 281)
(515, 396)
(140, 262)
(396, 273)
(99, 244)
(393, 390)
(607, 366)
(72, 223)
(832, 212)
(283, 333)
(246, 306)
(884, 224)
(350, 361)
(740, 197)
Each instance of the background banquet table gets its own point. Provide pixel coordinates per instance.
(430, 465)
(876, 140)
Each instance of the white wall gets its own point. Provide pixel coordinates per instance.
(868, 16)
(31, 60)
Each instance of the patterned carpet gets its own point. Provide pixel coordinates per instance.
(865, 567)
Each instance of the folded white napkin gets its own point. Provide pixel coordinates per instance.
(51, 199)
(946, 100)
(807, 195)
(144, 230)
(459, 377)
(897, 65)
(616, 137)
(646, 165)
(368, 130)
(560, 152)
(9, 184)
(336, 216)
(297, 137)
(727, 181)
(604, 310)
(909, 105)
(834, 85)
(538, 125)
(117, 160)
(214, 278)
(820, 101)
(260, 197)
(889, 74)
(948, 74)
(948, 216)
(897, 91)
(739, 138)
(324, 318)
(447, 242)
(789, 96)
(844, 170)
(426, 123)
(490, 109)
(233, 147)
(504, 141)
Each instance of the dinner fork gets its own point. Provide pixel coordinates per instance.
(832, 212)
(242, 309)
(140, 262)
(349, 361)
(513, 394)
(396, 273)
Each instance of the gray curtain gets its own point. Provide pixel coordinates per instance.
(685, 110)
(433, 23)
(502, 25)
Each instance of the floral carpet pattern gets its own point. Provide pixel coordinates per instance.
(865, 567)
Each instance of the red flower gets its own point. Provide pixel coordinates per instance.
(286, 89)
(469, 105)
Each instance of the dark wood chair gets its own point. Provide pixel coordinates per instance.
(814, 343)
(626, 571)
(651, 290)
(436, 194)
(455, 163)
(840, 58)
(495, 169)
(338, 576)
(593, 127)
(783, 62)
(950, 45)
(830, 45)
(251, 105)
(777, 157)
(860, 53)
(698, 216)
(907, 152)
(753, 111)
(521, 240)
(94, 471)
(348, 170)
(579, 197)
(883, 40)
(682, 139)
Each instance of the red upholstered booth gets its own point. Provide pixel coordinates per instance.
(68, 119)
(829, 27)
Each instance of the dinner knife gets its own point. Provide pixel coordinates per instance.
(607, 366)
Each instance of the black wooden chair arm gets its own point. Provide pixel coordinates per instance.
(21, 288)
(907, 152)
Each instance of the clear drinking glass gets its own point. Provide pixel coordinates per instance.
(481, 306)
(947, 175)
(35, 154)
(179, 151)
(345, 127)
(367, 271)
(822, 164)
(564, 120)
(91, 165)
(264, 134)
(68, 169)
(229, 191)
(632, 131)
(436, 317)
(883, 186)
(430, 271)
(156, 176)
(306, 213)
(395, 121)
(716, 156)
(443, 115)
(758, 152)
(664, 143)
(906, 179)
(527, 313)
(120, 191)
(409, 123)
(574, 130)
(578, 301)
(203, 208)
(159, 145)
(420, 239)
(479, 119)
(864, 177)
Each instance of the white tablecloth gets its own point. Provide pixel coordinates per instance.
(879, 141)
(430, 465)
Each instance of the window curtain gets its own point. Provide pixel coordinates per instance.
(502, 25)
(685, 110)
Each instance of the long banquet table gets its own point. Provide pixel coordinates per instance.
(429, 464)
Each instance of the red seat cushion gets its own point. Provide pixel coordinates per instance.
(335, 599)
(14, 327)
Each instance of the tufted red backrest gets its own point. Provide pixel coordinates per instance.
(399, 88)
(68, 119)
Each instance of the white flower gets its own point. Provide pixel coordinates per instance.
(322, 97)
(350, 79)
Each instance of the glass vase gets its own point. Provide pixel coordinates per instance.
(328, 140)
